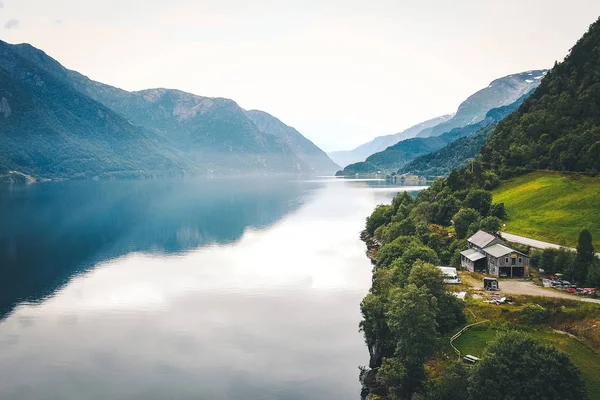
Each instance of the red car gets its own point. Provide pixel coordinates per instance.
(571, 290)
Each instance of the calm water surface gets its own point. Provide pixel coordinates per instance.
(222, 289)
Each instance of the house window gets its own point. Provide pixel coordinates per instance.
(506, 260)
(520, 260)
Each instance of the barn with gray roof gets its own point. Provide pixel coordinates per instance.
(490, 255)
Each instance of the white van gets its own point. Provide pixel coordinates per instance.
(450, 275)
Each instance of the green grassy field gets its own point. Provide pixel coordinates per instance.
(552, 207)
(474, 340)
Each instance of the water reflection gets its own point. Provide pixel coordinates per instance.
(264, 308)
(50, 232)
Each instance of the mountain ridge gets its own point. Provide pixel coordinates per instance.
(380, 143)
(202, 135)
(302, 147)
(500, 92)
(395, 157)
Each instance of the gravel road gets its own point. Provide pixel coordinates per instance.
(527, 288)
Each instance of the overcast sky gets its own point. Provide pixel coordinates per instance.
(340, 71)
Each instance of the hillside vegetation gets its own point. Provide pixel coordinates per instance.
(558, 127)
(557, 130)
(501, 92)
(380, 143)
(397, 156)
(551, 207)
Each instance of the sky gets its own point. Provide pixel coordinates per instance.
(339, 71)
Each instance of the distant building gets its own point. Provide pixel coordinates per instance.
(489, 254)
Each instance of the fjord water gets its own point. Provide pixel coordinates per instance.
(207, 289)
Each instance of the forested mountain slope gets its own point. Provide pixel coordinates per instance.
(458, 153)
(501, 92)
(397, 156)
(558, 127)
(380, 143)
(48, 129)
(178, 132)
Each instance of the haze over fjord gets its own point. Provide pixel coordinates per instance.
(341, 73)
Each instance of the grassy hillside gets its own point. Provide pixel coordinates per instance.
(474, 340)
(552, 207)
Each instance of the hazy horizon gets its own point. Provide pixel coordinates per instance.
(340, 73)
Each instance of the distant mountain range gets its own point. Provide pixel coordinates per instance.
(458, 153)
(467, 121)
(501, 92)
(380, 143)
(57, 123)
(396, 157)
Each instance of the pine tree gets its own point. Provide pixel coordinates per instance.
(585, 256)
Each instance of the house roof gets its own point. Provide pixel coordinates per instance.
(481, 239)
(498, 250)
(472, 255)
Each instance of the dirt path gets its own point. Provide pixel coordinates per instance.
(529, 289)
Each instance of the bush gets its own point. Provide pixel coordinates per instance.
(534, 314)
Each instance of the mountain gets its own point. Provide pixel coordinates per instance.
(457, 154)
(501, 92)
(558, 127)
(48, 129)
(306, 150)
(396, 157)
(380, 143)
(150, 132)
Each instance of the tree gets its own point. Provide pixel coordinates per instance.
(515, 366)
(447, 207)
(451, 385)
(396, 229)
(450, 311)
(593, 278)
(391, 251)
(463, 219)
(498, 210)
(392, 376)
(585, 256)
(381, 216)
(375, 330)
(411, 319)
(402, 199)
(411, 256)
(426, 275)
(490, 224)
(479, 200)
